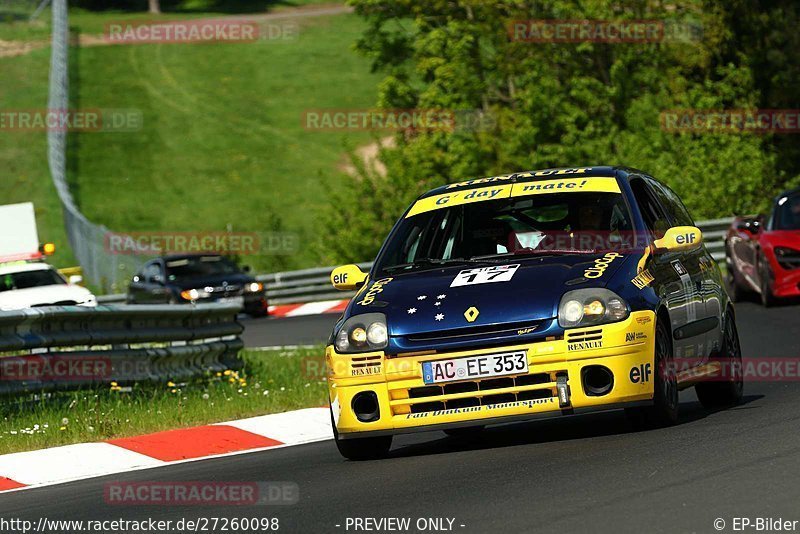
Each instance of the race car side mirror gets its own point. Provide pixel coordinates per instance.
(679, 239)
(348, 277)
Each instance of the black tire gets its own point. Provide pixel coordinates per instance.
(664, 410)
(359, 449)
(767, 297)
(716, 393)
(735, 291)
(465, 432)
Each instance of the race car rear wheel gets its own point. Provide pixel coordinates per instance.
(358, 449)
(720, 393)
(664, 410)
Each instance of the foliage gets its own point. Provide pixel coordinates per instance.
(567, 104)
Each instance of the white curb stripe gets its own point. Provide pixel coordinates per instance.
(314, 308)
(291, 428)
(70, 462)
(86, 460)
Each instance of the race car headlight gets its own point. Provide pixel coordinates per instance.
(587, 307)
(254, 287)
(194, 294)
(363, 333)
(787, 258)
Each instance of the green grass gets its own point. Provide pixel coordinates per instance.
(271, 382)
(16, 26)
(222, 146)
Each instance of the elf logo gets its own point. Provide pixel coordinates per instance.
(641, 374)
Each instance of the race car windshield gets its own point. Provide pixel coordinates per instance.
(27, 279)
(561, 223)
(787, 213)
(199, 267)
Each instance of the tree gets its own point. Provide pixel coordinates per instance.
(566, 104)
(154, 7)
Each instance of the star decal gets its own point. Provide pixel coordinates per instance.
(437, 303)
(439, 316)
(422, 297)
(412, 311)
(441, 297)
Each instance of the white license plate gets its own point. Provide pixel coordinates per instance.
(232, 300)
(472, 367)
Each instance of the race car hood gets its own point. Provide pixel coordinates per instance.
(452, 304)
(18, 299)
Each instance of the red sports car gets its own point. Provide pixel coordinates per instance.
(763, 253)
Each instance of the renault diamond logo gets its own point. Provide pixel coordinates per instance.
(471, 314)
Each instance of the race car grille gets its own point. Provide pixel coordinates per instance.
(586, 335)
(226, 291)
(365, 362)
(477, 393)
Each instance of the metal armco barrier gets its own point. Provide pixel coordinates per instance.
(61, 348)
(310, 285)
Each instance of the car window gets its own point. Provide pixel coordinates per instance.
(199, 267)
(152, 272)
(566, 222)
(654, 215)
(27, 279)
(667, 197)
(787, 212)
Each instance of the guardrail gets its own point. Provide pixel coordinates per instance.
(69, 347)
(310, 285)
(714, 236)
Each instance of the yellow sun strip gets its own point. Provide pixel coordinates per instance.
(540, 187)
(457, 198)
(566, 185)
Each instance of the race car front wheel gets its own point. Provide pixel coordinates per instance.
(727, 389)
(765, 274)
(358, 449)
(664, 410)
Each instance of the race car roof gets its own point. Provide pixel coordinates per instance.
(602, 171)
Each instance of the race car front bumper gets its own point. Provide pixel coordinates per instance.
(589, 369)
(787, 283)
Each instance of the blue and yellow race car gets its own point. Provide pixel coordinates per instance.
(531, 294)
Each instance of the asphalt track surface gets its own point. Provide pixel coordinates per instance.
(302, 330)
(588, 473)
